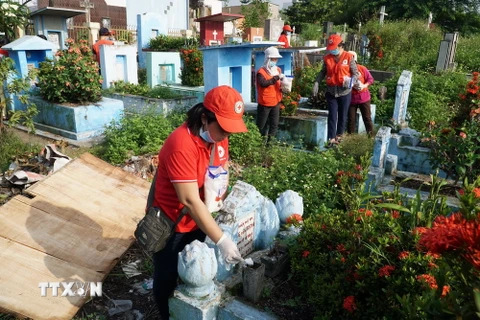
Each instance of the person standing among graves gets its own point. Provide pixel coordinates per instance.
(269, 94)
(183, 163)
(106, 38)
(361, 99)
(341, 72)
(287, 30)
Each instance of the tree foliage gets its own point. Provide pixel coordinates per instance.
(13, 15)
(451, 15)
(256, 12)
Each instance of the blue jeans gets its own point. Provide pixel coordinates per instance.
(165, 262)
(337, 114)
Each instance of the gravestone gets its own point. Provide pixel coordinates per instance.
(446, 53)
(401, 98)
(380, 148)
(118, 63)
(380, 152)
(273, 29)
(250, 219)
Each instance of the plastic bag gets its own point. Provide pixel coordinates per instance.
(347, 82)
(216, 184)
(286, 84)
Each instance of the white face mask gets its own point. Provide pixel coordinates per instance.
(205, 135)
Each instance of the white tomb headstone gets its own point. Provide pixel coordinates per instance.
(401, 98)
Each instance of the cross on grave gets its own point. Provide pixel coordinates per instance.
(87, 5)
(214, 34)
(382, 14)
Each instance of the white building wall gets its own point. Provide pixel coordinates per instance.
(173, 12)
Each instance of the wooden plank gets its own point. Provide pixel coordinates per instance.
(23, 268)
(78, 223)
(80, 241)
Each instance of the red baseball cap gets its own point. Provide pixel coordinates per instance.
(287, 28)
(228, 106)
(333, 41)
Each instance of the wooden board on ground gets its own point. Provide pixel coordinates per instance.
(78, 223)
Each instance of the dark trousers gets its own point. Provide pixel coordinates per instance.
(337, 114)
(366, 116)
(166, 262)
(267, 119)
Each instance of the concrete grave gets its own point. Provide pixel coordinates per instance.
(118, 63)
(163, 68)
(52, 23)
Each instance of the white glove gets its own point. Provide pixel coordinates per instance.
(229, 250)
(281, 76)
(315, 89)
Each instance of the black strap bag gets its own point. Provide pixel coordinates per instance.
(155, 228)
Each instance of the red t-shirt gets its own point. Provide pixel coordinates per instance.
(184, 157)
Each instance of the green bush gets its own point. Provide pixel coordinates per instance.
(245, 148)
(73, 77)
(308, 173)
(134, 134)
(365, 262)
(467, 55)
(166, 43)
(404, 45)
(158, 92)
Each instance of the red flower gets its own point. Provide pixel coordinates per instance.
(403, 255)
(463, 135)
(395, 214)
(428, 279)
(476, 192)
(294, 219)
(349, 304)
(305, 253)
(386, 271)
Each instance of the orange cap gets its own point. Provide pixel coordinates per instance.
(287, 28)
(227, 104)
(333, 41)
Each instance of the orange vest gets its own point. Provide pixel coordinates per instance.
(361, 78)
(336, 71)
(269, 96)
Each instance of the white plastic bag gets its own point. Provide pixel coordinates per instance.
(216, 184)
(347, 82)
(286, 84)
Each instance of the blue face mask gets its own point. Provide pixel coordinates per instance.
(335, 52)
(272, 64)
(205, 135)
(288, 33)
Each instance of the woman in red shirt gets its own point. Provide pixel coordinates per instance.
(183, 163)
(287, 30)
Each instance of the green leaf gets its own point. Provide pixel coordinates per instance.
(392, 206)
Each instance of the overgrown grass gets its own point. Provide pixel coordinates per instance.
(11, 145)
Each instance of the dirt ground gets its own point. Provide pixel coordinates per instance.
(281, 299)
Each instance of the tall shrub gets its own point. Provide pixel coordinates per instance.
(73, 77)
(403, 45)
